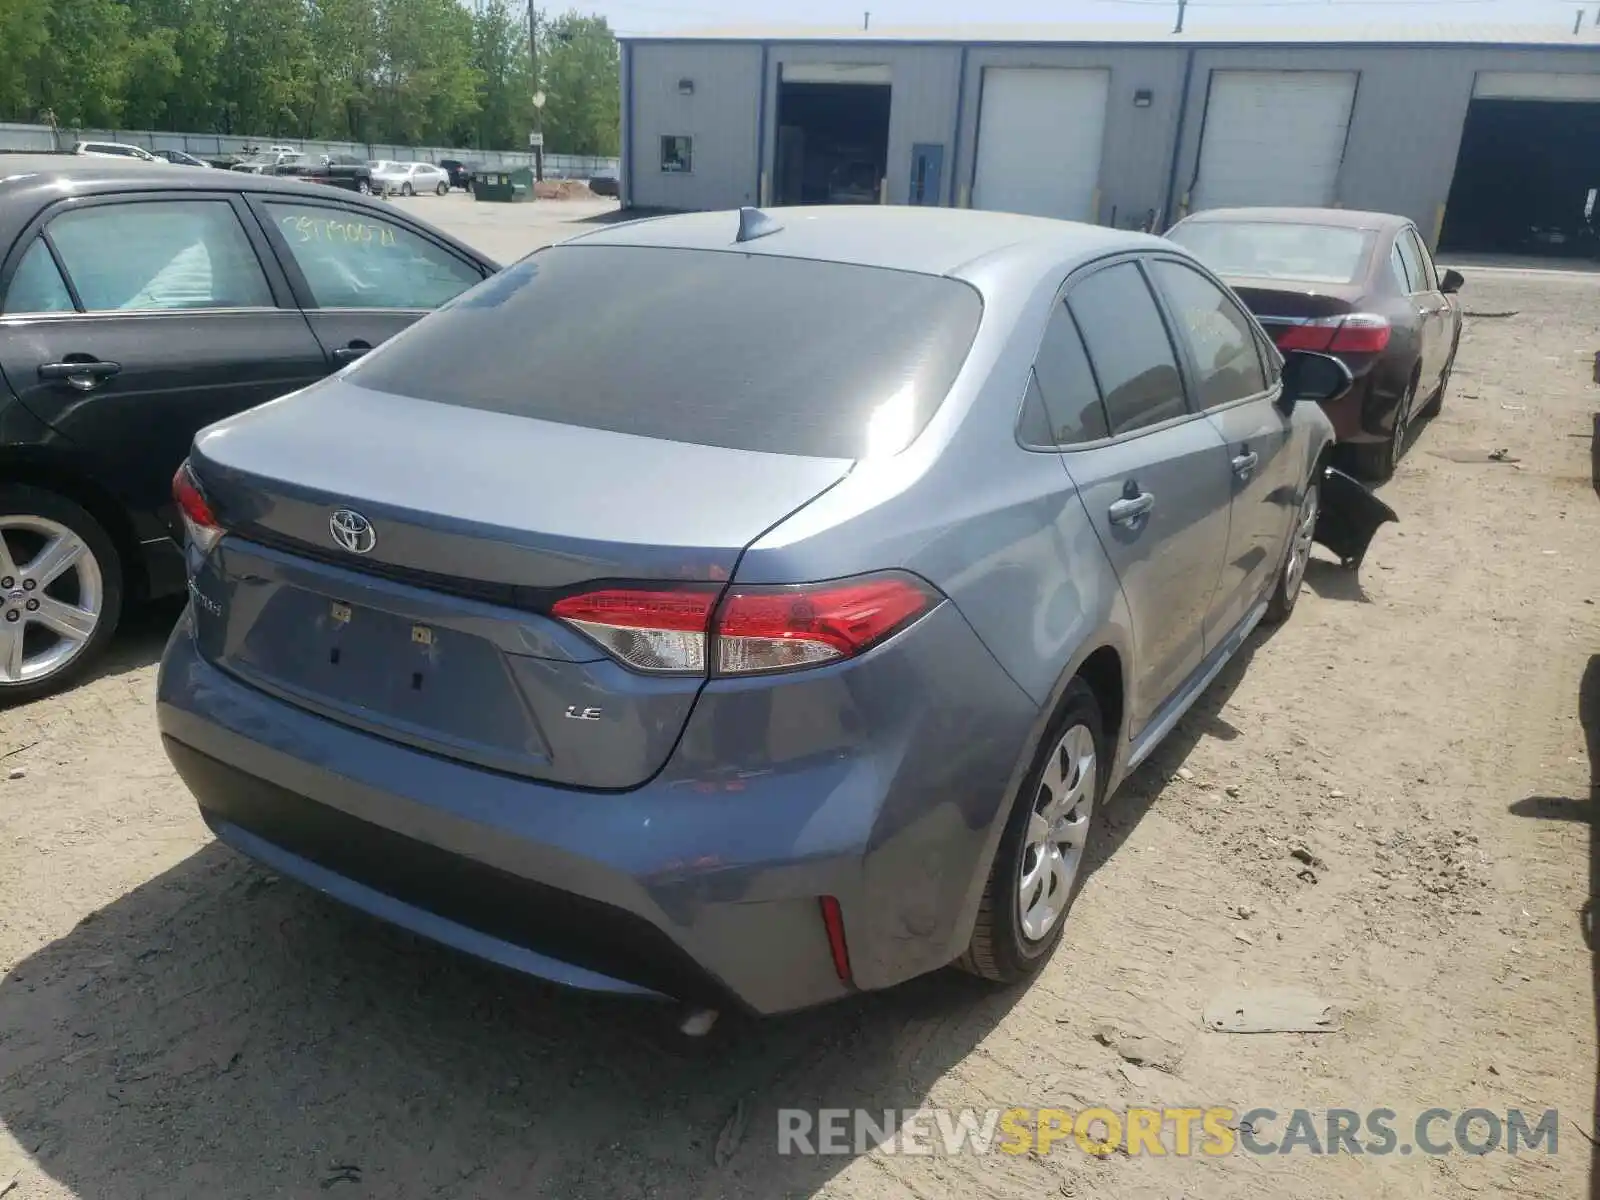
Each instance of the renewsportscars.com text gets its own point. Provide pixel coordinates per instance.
(1211, 1132)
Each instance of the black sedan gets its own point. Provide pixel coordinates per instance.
(1359, 285)
(137, 305)
(461, 173)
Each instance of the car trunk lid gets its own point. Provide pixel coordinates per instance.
(428, 624)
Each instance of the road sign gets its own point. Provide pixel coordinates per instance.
(535, 141)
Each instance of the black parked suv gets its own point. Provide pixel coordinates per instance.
(139, 304)
(461, 173)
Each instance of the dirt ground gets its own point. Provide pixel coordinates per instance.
(176, 1023)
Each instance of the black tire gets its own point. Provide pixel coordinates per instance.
(407, 190)
(364, 187)
(999, 950)
(19, 500)
(1378, 461)
(1290, 583)
(442, 190)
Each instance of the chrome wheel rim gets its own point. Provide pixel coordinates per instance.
(1058, 827)
(52, 596)
(1305, 533)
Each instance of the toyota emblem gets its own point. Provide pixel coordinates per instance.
(352, 531)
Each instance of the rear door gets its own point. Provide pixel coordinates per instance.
(1433, 310)
(1230, 383)
(1156, 486)
(361, 276)
(131, 322)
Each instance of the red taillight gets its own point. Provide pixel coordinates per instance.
(756, 629)
(1355, 333)
(833, 922)
(199, 521)
(775, 629)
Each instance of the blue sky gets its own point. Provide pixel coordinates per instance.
(654, 16)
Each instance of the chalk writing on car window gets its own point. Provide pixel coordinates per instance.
(303, 229)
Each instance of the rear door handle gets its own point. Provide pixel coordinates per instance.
(1131, 509)
(350, 353)
(85, 376)
(1244, 464)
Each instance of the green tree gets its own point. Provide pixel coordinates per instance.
(579, 68)
(24, 30)
(505, 77)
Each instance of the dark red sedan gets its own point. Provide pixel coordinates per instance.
(1358, 285)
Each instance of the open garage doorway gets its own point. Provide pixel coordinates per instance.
(1528, 175)
(833, 134)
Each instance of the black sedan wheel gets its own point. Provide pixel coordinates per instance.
(60, 592)
(364, 187)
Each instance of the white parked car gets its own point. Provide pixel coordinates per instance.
(409, 179)
(116, 150)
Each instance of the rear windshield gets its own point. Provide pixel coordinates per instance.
(1278, 250)
(747, 351)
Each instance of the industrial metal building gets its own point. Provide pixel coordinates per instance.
(1488, 138)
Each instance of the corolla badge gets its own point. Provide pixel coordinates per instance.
(352, 531)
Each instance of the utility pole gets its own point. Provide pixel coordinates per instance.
(866, 20)
(1182, 4)
(538, 94)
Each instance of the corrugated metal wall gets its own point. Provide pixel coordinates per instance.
(1410, 107)
(720, 114)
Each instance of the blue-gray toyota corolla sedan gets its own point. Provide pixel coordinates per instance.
(745, 608)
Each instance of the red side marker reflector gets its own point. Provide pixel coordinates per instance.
(833, 922)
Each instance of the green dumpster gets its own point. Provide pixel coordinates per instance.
(503, 186)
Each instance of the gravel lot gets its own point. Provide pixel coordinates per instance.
(176, 1022)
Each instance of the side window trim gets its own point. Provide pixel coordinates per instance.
(1191, 373)
(40, 226)
(300, 289)
(1189, 414)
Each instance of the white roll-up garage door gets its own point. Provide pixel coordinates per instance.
(1040, 138)
(1273, 137)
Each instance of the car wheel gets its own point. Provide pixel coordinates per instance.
(364, 187)
(1378, 461)
(1297, 554)
(407, 190)
(60, 592)
(1038, 866)
(442, 189)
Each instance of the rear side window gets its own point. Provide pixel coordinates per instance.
(1424, 260)
(354, 260)
(1066, 384)
(1128, 346)
(159, 255)
(1409, 255)
(37, 287)
(1397, 268)
(1221, 339)
(747, 351)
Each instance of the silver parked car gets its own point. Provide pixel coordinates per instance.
(745, 608)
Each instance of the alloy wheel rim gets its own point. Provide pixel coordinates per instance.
(52, 597)
(1305, 533)
(1058, 827)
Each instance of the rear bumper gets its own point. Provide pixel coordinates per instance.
(702, 885)
(1366, 412)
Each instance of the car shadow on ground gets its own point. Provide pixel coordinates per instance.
(218, 1032)
(140, 638)
(1581, 809)
(1334, 582)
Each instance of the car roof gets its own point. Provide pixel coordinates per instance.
(932, 241)
(30, 181)
(1343, 218)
